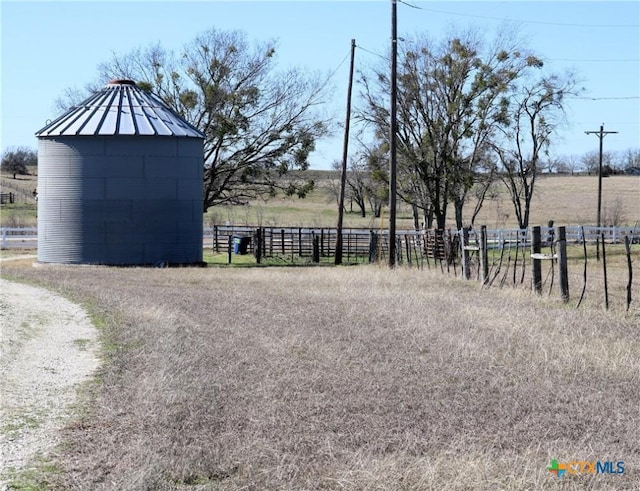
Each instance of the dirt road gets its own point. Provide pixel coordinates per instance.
(48, 346)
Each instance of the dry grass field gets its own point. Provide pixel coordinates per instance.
(567, 200)
(342, 378)
(355, 378)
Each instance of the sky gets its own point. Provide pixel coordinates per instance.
(48, 47)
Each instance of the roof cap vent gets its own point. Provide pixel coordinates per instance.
(121, 81)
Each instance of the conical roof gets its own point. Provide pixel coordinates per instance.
(120, 108)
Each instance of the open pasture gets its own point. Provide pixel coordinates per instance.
(567, 200)
(343, 378)
(21, 213)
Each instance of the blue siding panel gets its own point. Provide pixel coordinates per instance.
(189, 147)
(120, 166)
(188, 189)
(157, 166)
(129, 146)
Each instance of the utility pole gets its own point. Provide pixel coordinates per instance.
(392, 136)
(345, 148)
(601, 134)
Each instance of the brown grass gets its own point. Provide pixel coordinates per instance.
(567, 200)
(344, 378)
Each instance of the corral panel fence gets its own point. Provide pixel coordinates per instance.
(7, 198)
(292, 242)
(359, 245)
(358, 242)
(413, 246)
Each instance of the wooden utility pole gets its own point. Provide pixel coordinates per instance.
(392, 136)
(601, 134)
(345, 149)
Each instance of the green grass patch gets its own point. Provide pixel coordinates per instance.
(81, 344)
(18, 215)
(36, 478)
(220, 259)
(22, 421)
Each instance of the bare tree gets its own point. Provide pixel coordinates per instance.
(631, 158)
(568, 164)
(259, 122)
(356, 184)
(591, 161)
(452, 97)
(613, 213)
(537, 110)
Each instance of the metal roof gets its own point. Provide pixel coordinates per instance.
(120, 108)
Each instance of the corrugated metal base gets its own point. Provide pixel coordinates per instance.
(120, 201)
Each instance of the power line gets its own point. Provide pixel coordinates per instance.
(562, 24)
(625, 123)
(629, 60)
(410, 5)
(604, 98)
(337, 68)
(373, 53)
(610, 60)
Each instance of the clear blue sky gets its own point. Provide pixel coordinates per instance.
(50, 46)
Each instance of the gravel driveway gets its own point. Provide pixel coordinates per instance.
(47, 347)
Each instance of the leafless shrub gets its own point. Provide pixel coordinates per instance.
(613, 214)
(212, 218)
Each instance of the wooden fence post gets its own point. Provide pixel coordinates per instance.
(466, 261)
(536, 263)
(484, 255)
(229, 249)
(604, 270)
(373, 246)
(524, 262)
(563, 271)
(258, 246)
(627, 247)
(316, 248)
(584, 272)
(407, 246)
(215, 239)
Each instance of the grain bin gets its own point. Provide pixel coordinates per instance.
(120, 182)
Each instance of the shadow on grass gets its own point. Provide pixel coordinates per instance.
(221, 260)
